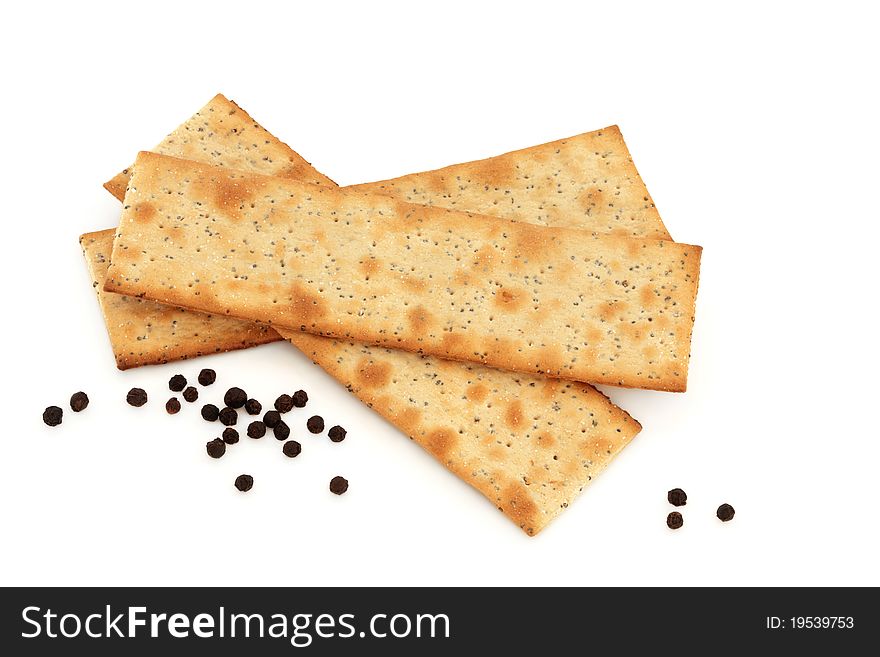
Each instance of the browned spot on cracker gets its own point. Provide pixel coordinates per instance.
(477, 392)
(408, 420)
(420, 320)
(510, 299)
(517, 503)
(610, 310)
(144, 212)
(230, 194)
(369, 266)
(550, 359)
(484, 259)
(513, 416)
(546, 440)
(590, 198)
(549, 388)
(306, 307)
(533, 242)
(414, 283)
(647, 296)
(494, 172)
(440, 441)
(372, 373)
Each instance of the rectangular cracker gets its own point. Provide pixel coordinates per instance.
(528, 443)
(143, 331)
(223, 133)
(370, 268)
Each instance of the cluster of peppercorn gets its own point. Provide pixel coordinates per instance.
(234, 399)
(677, 497)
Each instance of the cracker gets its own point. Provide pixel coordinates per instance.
(528, 443)
(369, 268)
(587, 181)
(144, 332)
(223, 133)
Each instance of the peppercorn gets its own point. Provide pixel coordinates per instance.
(177, 383)
(725, 512)
(338, 485)
(52, 415)
(190, 394)
(228, 416)
(677, 497)
(235, 398)
(210, 412)
(79, 401)
(136, 397)
(216, 448)
(244, 483)
(336, 434)
(284, 404)
(172, 406)
(207, 377)
(230, 436)
(300, 398)
(291, 448)
(315, 424)
(674, 520)
(281, 430)
(253, 407)
(256, 429)
(271, 419)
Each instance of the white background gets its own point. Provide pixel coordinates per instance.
(756, 130)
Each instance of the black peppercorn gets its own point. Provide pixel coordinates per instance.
(172, 406)
(336, 434)
(79, 401)
(235, 398)
(674, 520)
(136, 397)
(230, 436)
(281, 430)
(338, 485)
(190, 394)
(315, 424)
(253, 407)
(216, 448)
(300, 398)
(725, 512)
(291, 448)
(207, 377)
(228, 416)
(177, 383)
(284, 404)
(256, 429)
(271, 419)
(210, 412)
(52, 415)
(244, 483)
(677, 497)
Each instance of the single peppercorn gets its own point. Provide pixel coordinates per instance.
(315, 424)
(271, 419)
(256, 429)
(291, 448)
(228, 416)
(230, 436)
(284, 404)
(190, 394)
(235, 398)
(177, 383)
(677, 497)
(253, 407)
(725, 512)
(337, 434)
(207, 377)
(300, 398)
(674, 520)
(281, 430)
(136, 397)
(79, 401)
(244, 483)
(210, 412)
(52, 415)
(172, 406)
(216, 448)
(338, 485)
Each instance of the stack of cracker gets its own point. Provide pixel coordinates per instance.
(471, 306)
